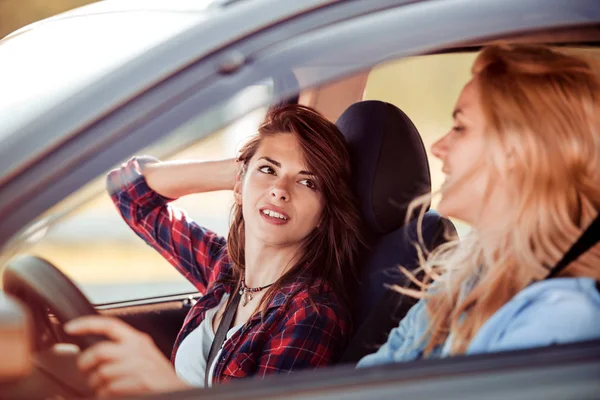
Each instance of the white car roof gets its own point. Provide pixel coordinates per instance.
(48, 63)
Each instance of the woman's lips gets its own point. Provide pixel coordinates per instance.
(274, 215)
(274, 220)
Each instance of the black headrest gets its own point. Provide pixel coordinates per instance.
(389, 162)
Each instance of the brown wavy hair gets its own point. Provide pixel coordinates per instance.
(328, 254)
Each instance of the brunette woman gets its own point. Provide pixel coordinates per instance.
(277, 288)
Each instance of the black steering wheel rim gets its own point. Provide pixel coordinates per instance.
(33, 279)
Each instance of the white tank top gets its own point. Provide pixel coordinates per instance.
(190, 359)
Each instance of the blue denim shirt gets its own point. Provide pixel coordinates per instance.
(560, 310)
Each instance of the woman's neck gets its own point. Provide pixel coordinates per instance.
(265, 264)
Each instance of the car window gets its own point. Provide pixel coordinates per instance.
(425, 88)
(88, 240)
(85, 237)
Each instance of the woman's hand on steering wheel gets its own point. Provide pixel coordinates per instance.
(126, 364)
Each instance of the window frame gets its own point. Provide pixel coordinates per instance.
(556, 372)
(177, 99)
(100, 147)
(274, 51)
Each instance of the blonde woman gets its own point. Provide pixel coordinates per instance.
(522, 165)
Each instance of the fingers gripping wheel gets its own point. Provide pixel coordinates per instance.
(35, 280)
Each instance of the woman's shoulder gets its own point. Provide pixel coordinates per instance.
(560, 310)
(318, 294)
(569, 305)
(562, 293)
(558, 298)
(314, 300)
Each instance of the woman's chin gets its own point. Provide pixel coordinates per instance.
(442, 207)
(446, 208)
(273, 239)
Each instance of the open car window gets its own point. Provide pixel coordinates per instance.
(86, 238)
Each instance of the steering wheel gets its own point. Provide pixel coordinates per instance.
(42, 286)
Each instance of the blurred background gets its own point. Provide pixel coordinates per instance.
(15, 14)
(94, 246)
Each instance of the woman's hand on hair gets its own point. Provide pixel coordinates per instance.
(126, 364)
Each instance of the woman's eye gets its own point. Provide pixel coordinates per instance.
(265, 169)
(308, 183)
(458, 129)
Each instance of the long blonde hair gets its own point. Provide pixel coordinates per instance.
(542, 109)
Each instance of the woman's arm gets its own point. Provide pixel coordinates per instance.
(174, 179)
(129, 363)
(553, 318)
(404, 343)
(141, 190)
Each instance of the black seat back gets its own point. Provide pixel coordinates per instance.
(390, 169)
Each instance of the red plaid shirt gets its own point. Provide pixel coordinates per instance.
(295, 332)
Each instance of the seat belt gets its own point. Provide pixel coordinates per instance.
(589, 238)
(221, 334)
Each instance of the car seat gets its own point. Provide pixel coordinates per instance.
(389, 170)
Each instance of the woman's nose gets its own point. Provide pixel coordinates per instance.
(280, 192)
(440, 147)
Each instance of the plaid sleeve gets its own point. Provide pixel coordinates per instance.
(311, 337)
(195, 251)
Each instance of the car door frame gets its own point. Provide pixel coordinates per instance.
(271, 52)
(557, 372)
(178, 98)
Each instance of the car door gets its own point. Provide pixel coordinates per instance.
(317, 52)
